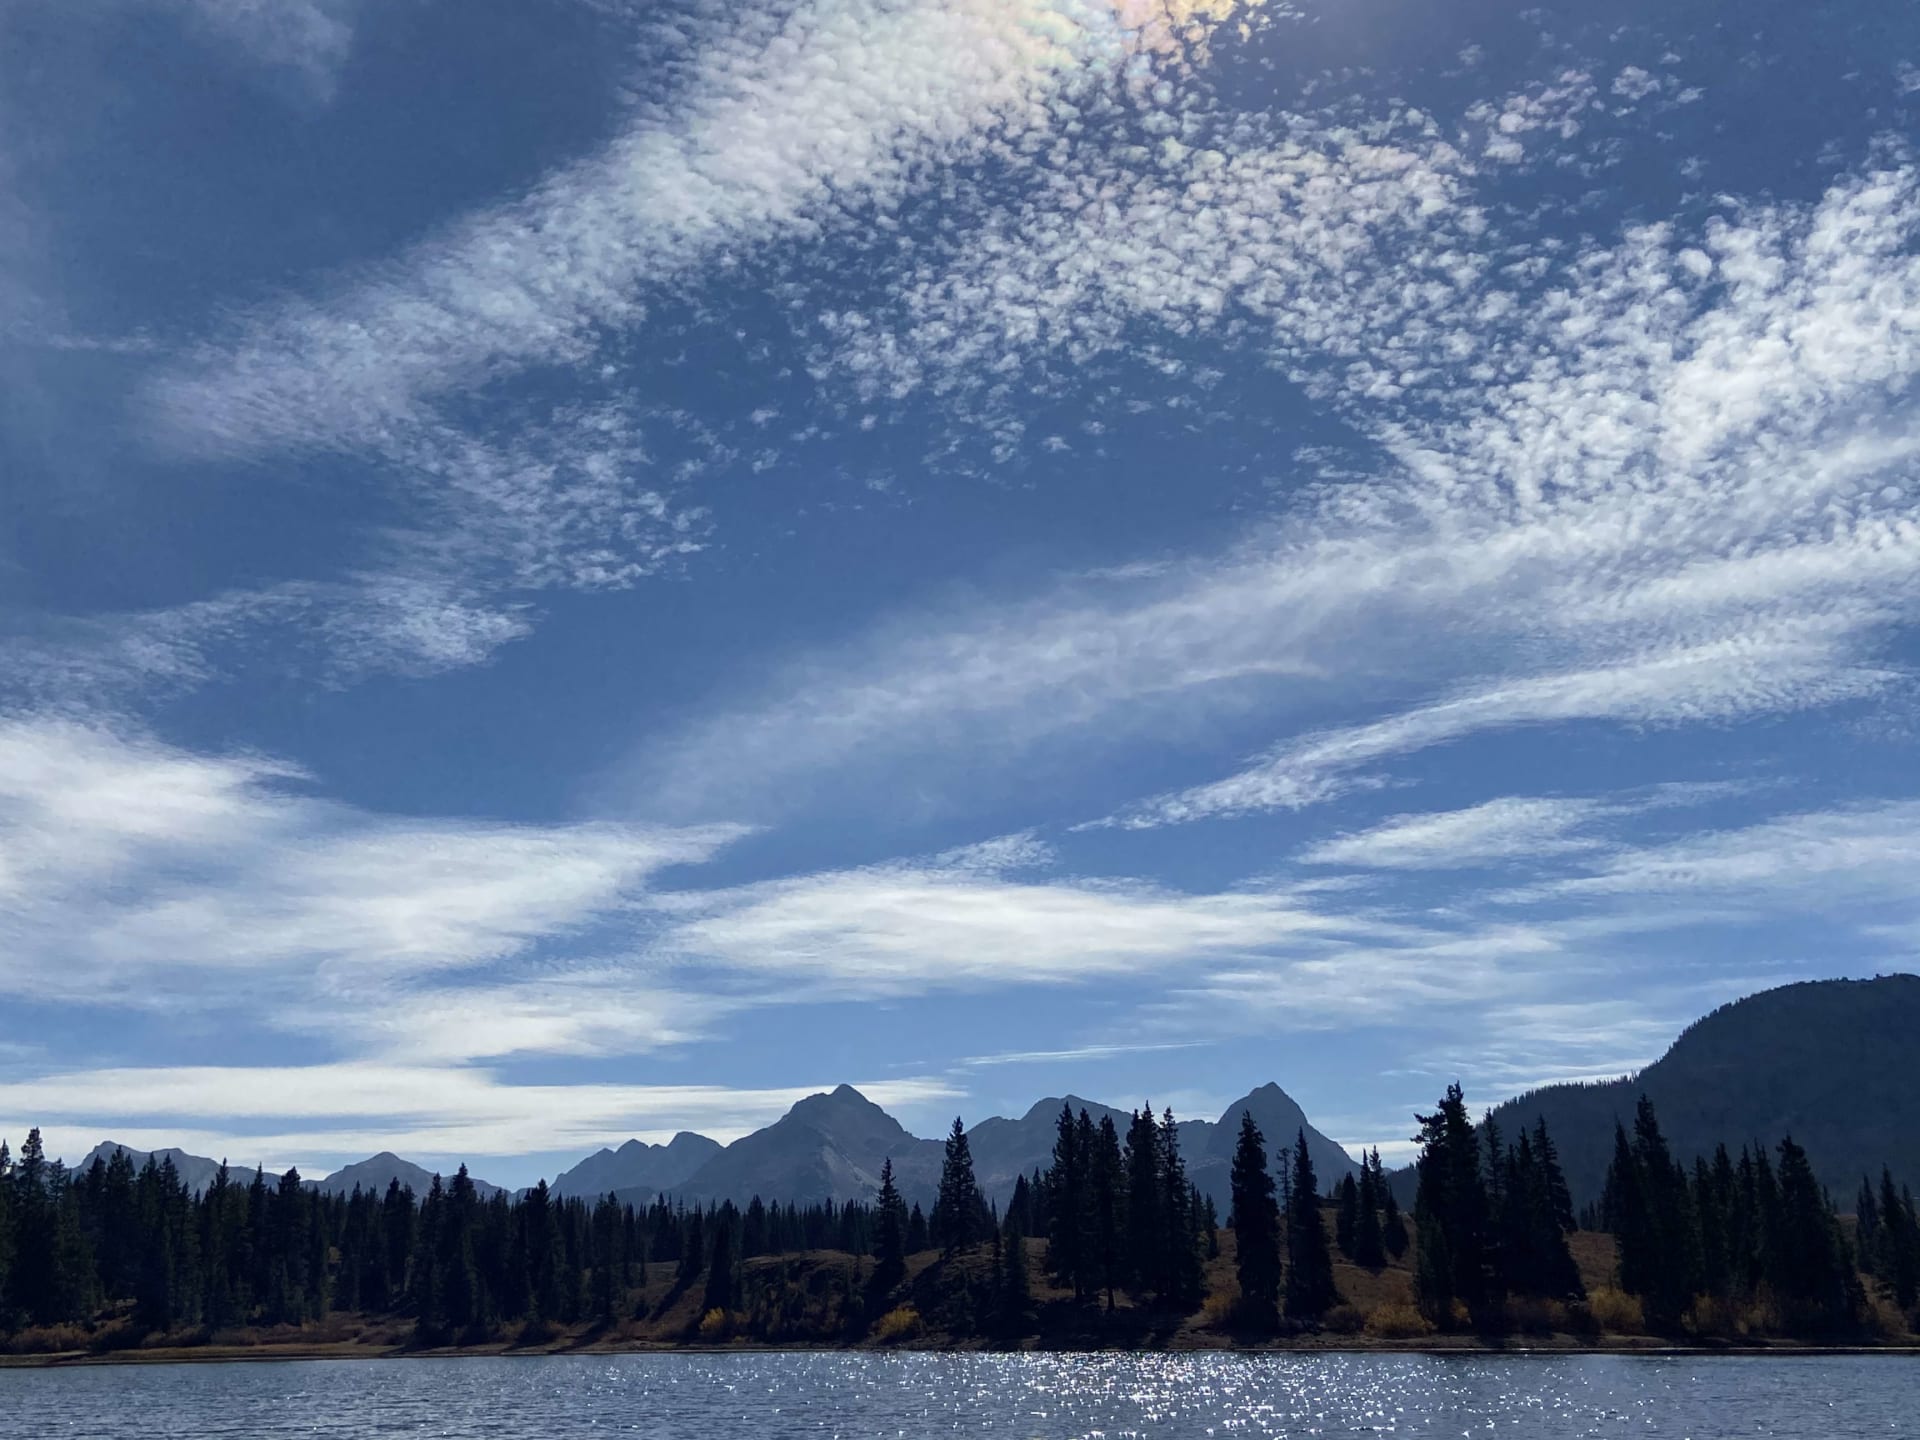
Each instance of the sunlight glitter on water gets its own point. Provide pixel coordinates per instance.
(1039, 1397)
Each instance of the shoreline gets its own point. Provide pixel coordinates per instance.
(262, 1354)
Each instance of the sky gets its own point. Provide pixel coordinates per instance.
(577, 569)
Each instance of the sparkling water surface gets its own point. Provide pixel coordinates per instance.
(720, 1397)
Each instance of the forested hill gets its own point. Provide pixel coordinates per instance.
(1833, 1063)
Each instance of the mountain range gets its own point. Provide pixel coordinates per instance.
(1830, 1062)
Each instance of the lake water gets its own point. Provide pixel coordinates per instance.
(722, 1397)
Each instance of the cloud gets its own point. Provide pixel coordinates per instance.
(137, 870)
(788, 119)
(1842, 860)
(1797, 668)
(1661, 478)
(319, 1116)
(310, 37)
(908, 929)
(1508, 828)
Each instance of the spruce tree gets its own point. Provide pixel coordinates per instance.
(1145, 1247)
(1181, 1277)
(890, 1247)
(1256, 1229)
(1346, 1215)
(1450, 1214)
(1106, 1209)
(1066, 1189)
(1369, 1245)
(955, 1222)
(1310, 1290)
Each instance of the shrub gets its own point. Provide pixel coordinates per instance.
(1397, 1320)
(1220, 1312)
(715, 1325)
(902, 1323)
(1617, 1312)
(1344, 1320)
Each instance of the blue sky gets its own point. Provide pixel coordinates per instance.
(574, 569)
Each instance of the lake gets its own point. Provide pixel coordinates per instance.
(720, 1397)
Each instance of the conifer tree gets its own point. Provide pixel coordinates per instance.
(1256, 1228)
(1181, 1276)
(917, 1237)
(1106, 1209)
(1310, 1290)
(1015, 1290)
(1369, 1246)
(1450, 1213)
(1346, 1215)
(1393, 1225)
(1145, 1247)
(955, 1222)
(1067, 1197)
(890, 1234)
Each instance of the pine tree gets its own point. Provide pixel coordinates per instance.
(890, 1249)
(1393, 1226)
(1106, 1209)
(917, 1236)
(1145, 1247)
(1066, 1191)
(1256, 1229)
(1346, 1215)
(1811, 1274)
(1369, 1244)
(1450, 1214)
(1181, 1277)
(1310, 1291)
(1898, 1242)
(955, 1222)
(1015, 1291)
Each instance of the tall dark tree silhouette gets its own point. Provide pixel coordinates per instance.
(955, 1222)
(1450, 1217)
(1256, 1228)
(1310, 1291)
(890, 1232)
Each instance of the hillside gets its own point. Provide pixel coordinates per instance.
(827, 1147)
(195, 1171)
(377, 1172)
(637, 1171)
(1829, 1062)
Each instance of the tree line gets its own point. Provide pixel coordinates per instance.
(279, 1252)
(1725, 1245)
(1755, 1243)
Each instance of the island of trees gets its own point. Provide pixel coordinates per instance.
(1110, 1244)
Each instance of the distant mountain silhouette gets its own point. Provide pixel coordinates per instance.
(196, 1170)
(1004, 1150)
(637, 1171)
(377, 1172)
(1280, 1118)
(1830, 1062)
(832, 1146)
(827, 1147)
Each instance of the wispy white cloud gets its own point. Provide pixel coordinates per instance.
(1751, 673)
(318, 1116)
(915, 929)
(1825, 860)
(134, 869)
(790, 116)
(1509, 828)
(1661, 479)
